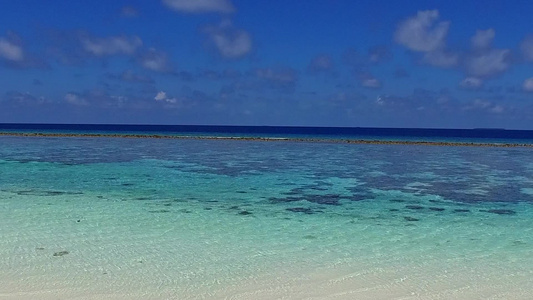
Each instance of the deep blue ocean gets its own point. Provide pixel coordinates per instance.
(476, 135)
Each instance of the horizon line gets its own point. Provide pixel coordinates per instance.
(289, 126)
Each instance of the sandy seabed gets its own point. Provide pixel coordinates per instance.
(334, 282)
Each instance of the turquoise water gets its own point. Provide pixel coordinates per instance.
(200, 219)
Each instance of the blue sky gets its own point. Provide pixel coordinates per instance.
(438, 64)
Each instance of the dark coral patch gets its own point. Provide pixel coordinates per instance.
(284, 199)
(61, 253)
(245, 213)
(357, 197)
(329, 199)
(321, 182)
(295, 191)
(159, 211)
(435, 201)
(54, 193)
(501, 211)
(461, 210)
(45, 193)
(318, 188)
(397, 200)
(414, 207)
(436, 208)
(411, 219)
(304, 210)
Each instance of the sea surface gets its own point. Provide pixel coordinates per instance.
(118, 218)
(479, 135)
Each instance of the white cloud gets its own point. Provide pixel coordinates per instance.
(368, 80)
(489, 63)
(422, 32)
(527, 48)
(10, 51)
(162, 97)
(371, 83)
(484, 105)
(497, 109)
(528, 85)
(482, 39)
(200, 6)
(111, 45)
(471, 83)
(155, 60)
(441, 59)
(380, 101)
(229, 41)
(75, 99)
(24, 98)
(154, 64)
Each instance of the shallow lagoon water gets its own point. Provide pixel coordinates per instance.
(207, 219)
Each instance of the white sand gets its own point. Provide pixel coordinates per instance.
(335, 282)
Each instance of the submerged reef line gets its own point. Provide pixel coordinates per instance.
(265, 139)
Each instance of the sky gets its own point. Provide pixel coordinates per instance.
(389, 63)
